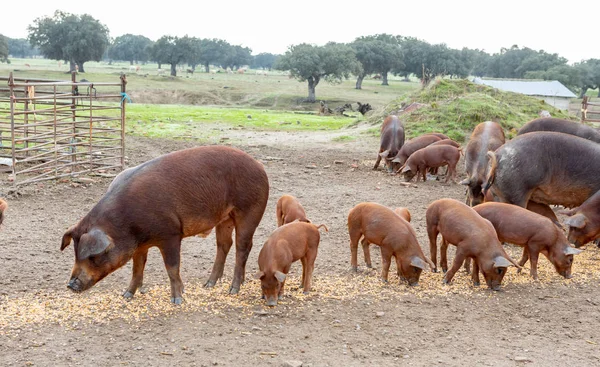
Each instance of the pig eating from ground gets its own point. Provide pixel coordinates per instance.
(286, 245)
(533, 206)
(412, 146)
(431, 157)
(157, 203)
(392, 139)
(396, 237)
(485, 137)
(584, 221)
(288, 210)
(473, 236)
(536, 233)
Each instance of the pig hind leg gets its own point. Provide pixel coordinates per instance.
(224, 233)
(355, 235)
(458, 261)
(433, 232)
(308, 265)
(137, 278)
(367, 252)
(171, 253)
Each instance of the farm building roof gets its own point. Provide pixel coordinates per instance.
(550, 88)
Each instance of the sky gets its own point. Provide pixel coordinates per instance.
(273, 26)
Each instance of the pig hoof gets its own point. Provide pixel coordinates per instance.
(355, 269)
(176, 300)
(444, 281)
(143, 290)
(476, 284)
(444, 271)
(233, 290)
(305, 292)
(209, 284)
(369, 266)
(128, 295)
(435, 270)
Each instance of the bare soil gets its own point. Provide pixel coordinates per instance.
(350, 319)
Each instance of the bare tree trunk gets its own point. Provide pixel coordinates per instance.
(583, 91)
(80, 67)
(72, 66)
(598, 92)
(312, 83)
(173, 69)
(130, 62)
(207, 67)
(359, 81)
(384, 78)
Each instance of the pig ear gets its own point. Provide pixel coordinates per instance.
(259, 275)
(280, 276)
(384, 154)
(92, 243)
(501, 262)
(417, 262)
(577, 221)
(66, 240)
(405, 169)
(466, 181)
(572, 251)
(396, 160)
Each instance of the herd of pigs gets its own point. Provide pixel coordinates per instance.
(510, 187)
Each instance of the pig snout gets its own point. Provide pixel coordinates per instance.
(75, 285)
(272, 301)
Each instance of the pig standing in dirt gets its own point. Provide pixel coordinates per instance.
(396, 237)
(584, 221)
(431, 157)
(473, 236)
(286, 245)
(288, 210)
(3, 207)
(546, 167)
(157, 203)
(561, 126)
(392, 139)
(487, 136)
(412, 146)
(536, 233)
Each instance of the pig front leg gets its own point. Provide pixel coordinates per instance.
(223, 233)
(245, 226)
(533, 257)
(377, 162)
(458, 261)
(139, 262)
(386, 261)
(171, 253)
(475, 275)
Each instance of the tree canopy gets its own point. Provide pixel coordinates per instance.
(264, 60)
(332, 62)
(172, 50)
(69, 37)
(132, 48)
(212, 51)
(3, 48)
(235, 56)
(376, 54)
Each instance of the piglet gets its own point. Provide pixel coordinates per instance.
(286, 245)
(396, 237)
(473, 236)
(403, 213)
(289, 209)
(536, 233)
(3, 207)
(584, 221)
(431, 157)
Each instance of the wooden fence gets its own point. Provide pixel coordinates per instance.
(51, 129)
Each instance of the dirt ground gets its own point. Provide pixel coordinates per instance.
(350, 319)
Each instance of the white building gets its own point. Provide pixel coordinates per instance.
(552, 92)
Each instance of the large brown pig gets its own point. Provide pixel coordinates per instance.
(288, 210)
(396, 237)
(536, 233)
(584, 221)
(487, 136)
(412, 146)
(431, 157)
(286, 245)
(561, 126)
(3, 207)
(545, 167)
(157, 203)
(392, 139)
(473, 236)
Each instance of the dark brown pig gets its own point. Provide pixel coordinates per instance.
(396, 237)
(487, 136)
(584, 221)
(546, 167)
(473, 236)
(536, 233)
(286, 245)
(538, 208)
(431, 157)
(157, 203)
(288, 210)
(392, 139)
(412, 146)
(561, 126)
(3, 207)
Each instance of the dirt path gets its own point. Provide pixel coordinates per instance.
(349, 320)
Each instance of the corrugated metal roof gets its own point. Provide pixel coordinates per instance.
(550, 88)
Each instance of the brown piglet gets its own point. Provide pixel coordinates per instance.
(379, 225)
(3, 207)
(286, 245)
(288, 210)
(431, 157)
(473, 236)
(536, 233)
